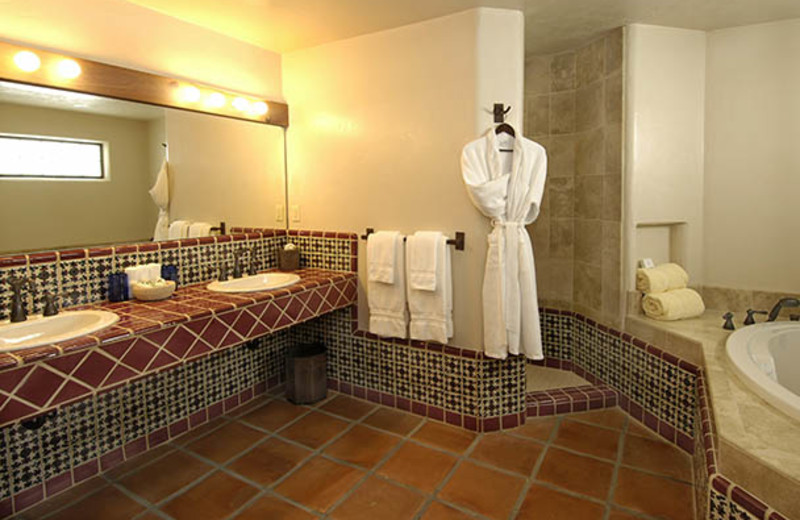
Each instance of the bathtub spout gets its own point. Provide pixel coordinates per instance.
(783, 302)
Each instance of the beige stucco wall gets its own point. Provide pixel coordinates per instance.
(378, 124)
(752, 176)
(43, 214)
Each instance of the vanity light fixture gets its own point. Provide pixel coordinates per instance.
(260, 108)
(189, 94)
(53, 70)
(68, 69)
(27, 61)
(215, 100)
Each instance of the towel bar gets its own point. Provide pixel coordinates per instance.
(458, 241)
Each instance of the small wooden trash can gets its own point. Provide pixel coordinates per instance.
(306, 377)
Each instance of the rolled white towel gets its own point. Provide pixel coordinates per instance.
(179, 229)
(137, 273)
(199, 229)
(663, 278)
(673, 305)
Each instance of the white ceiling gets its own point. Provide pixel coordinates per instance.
(550, 25)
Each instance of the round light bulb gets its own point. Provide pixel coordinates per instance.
(215, 100)
(27, 61)
(260, 108)
(189, 94)
(68, 69)
(241, 104)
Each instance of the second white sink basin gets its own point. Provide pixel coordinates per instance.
(37, 330)
(259, 282)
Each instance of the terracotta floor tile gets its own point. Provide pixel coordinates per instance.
(69, 496)
(138, 461)
(107, 503)
(507, 452)
(657, 456)
(200, 431)
(348, 407)
(215, 497)
(394, 421)
(149, 516)
(576, 473)
(439, 511)
(314, 430)
(445, 437)
(536, 428)
(418, 466)
(164, 477)
(269, 461)
(483, 490)
(378, 499)
(618, 514)
(586, 438)
(258, 402)
(610, 418)
(542, 503)
(319, 483)
(654, 496)
(362, 446)
(274, 415)
(273, 508)
(227, 442)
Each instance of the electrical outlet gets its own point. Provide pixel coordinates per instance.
(647, 263)
(295, 213)
(280, 211)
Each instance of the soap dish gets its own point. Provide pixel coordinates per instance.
(151, 293)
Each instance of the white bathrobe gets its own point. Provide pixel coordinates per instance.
(507, 187)
(160, 195)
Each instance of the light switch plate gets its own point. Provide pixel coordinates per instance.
(295, 213)
(647, 263)
(280, 211)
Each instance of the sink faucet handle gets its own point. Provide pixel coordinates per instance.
(18, 282)
(728, 317)
(223, 272)
(50, 307)
(750, 319)
(252, 267)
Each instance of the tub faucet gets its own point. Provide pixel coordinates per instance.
(783, 302)
(18, 312)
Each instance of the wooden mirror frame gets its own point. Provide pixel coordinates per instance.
(131, 85)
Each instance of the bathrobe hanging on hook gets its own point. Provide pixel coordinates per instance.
(507, 187)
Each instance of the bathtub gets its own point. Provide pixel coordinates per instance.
(766, 356)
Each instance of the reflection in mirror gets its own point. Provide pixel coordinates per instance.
(220, 169)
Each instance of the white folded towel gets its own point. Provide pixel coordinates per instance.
(673, 305)
(179, 229)
(421, 252)
(665, 277)
(432, 311)
(381, 256)
(199, 229)
(387, 301)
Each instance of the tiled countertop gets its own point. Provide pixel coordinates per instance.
(186, 304)
(759, 445)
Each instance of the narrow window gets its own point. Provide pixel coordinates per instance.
(27, 157)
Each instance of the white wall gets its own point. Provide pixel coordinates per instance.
(665, 95)
(378, 124)
(752, 180)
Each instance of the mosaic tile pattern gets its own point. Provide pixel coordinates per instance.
(82, 433)
(166, 338)
(79, 276)
(449, 384)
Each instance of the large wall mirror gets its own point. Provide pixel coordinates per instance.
(76, 168)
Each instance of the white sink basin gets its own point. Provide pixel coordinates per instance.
(259, 282)
(38, 330)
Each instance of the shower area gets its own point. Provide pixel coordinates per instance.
(573, 107)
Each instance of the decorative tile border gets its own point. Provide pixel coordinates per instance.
(34, 388)
(570, 400)
(94, 435)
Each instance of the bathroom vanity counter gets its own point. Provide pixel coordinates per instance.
(758, 445)
(152, 336)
